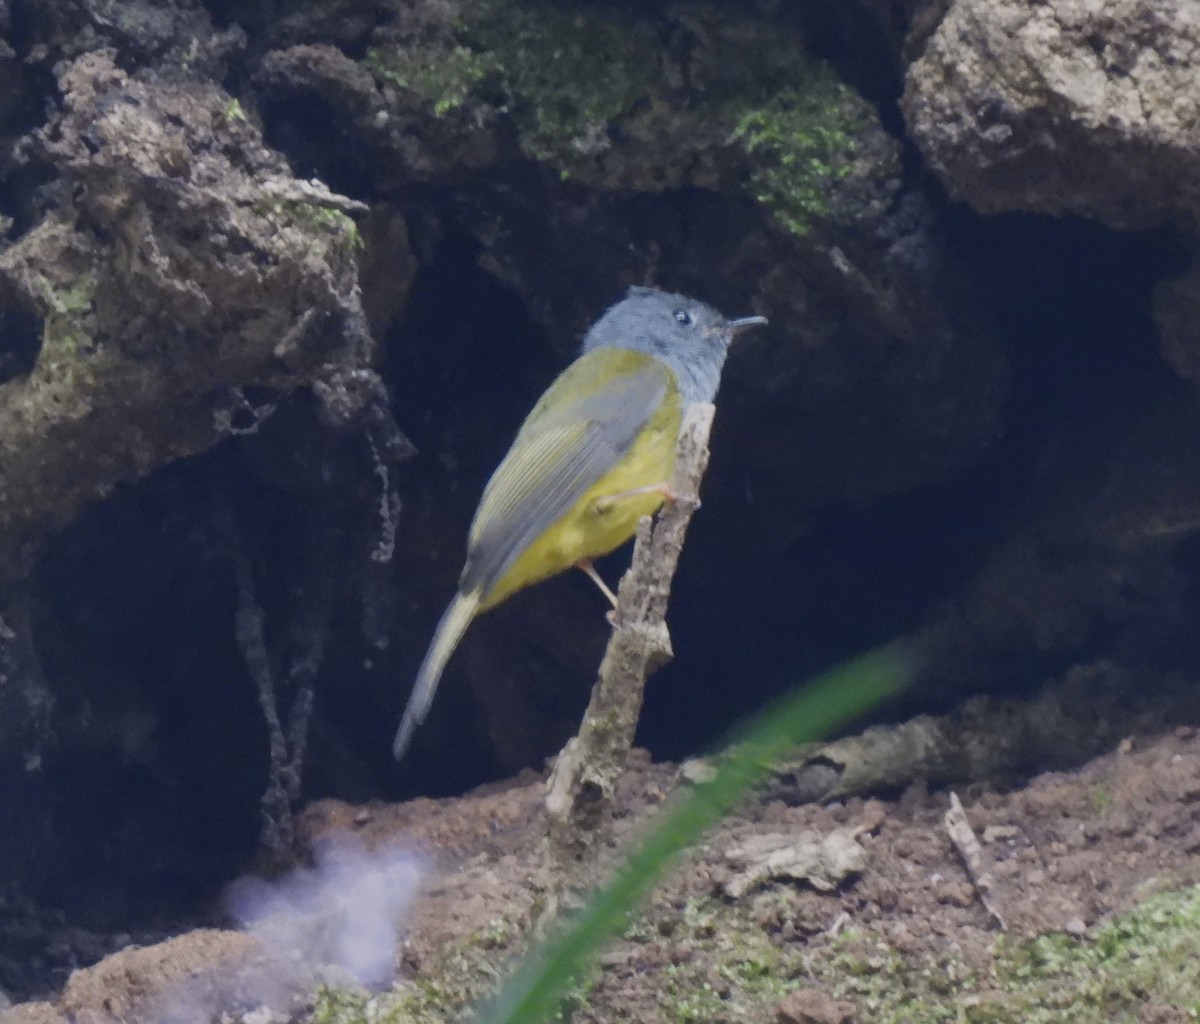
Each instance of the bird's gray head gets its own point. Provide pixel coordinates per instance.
(688, 335)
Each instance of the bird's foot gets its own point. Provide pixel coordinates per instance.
(585, 565)
(606, 502)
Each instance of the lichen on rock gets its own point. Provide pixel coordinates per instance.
(709, 99)
(182, 260)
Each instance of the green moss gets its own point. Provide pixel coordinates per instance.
(462, 975)
(66, 335)
(800, 142)
(1153, 951)
(323, 219)
(232, 112)
(728, 968)
(889, 989)
(442, 77)
(1101, 799)
(339, 1006)
(336, 222)
(569, 76)
(563, 75)
(578, 998)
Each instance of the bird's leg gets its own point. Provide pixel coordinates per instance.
(606, 502)
(585, 564)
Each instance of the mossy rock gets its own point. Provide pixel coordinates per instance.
(644, 103)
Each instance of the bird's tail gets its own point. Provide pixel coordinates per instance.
(445, 639)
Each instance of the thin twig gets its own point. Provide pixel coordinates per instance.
(977, 863)
(579, 793)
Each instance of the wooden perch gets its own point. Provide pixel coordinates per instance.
(973, 857)
(579, 793)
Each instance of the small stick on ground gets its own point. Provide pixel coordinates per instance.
(579, 793)
(977, 863)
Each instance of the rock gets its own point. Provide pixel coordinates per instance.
(1084, 107)
(182, 263)
(824, 862)
(36, 1012)
(696, 771)
(191, 973)
(140, 32)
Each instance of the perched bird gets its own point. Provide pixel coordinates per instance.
(595, 455)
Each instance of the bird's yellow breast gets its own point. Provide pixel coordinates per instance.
(596, 524)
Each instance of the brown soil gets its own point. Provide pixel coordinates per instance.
(1065, 851)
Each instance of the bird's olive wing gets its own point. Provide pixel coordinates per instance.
(573, 437)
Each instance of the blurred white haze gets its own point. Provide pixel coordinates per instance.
(345, 914)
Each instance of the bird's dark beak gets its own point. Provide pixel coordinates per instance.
(735, 327)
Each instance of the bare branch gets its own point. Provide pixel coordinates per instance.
(977, 863)
(579, 793)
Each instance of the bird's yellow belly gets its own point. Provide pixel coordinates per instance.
(597, 524)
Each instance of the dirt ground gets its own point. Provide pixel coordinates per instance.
(1065, 862)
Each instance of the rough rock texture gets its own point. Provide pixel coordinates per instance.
(344, 22)
(181, 262)
(1087, 107)
(139, 32)
(178, 262)
(198, 976)
(188, 974)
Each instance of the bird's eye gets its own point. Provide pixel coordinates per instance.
(682, 316)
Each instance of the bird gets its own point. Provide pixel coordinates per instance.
(594, 455)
